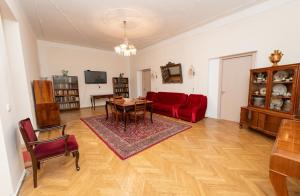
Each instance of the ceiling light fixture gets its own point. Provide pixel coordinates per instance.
(125, 49)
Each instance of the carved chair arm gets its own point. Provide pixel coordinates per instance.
(63, 127)
(65, 137)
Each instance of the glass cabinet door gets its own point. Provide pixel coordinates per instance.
(258, 88)
(282, 90)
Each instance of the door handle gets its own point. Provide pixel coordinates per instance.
(222, 92)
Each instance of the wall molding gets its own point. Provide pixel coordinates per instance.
(20, 182)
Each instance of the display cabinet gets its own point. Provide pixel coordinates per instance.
(273, 96)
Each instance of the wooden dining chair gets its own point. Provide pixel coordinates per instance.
(114, 110)
(140, 110)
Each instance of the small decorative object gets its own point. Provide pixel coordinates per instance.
(64, 72)
(154, 75)
(260, 77)
(192, 71)
(275, 57)
(121, 75)
(256, 92)
(263, 91)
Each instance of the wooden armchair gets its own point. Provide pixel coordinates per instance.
(140, 109)
(46, 149)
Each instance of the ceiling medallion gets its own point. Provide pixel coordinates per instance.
(125, 49)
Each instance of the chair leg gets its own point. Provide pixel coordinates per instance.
(34, 169)
(39, 165)
(77, 160)
(73, 154)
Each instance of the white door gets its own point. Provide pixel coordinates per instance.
(235, 85)
(146, 81)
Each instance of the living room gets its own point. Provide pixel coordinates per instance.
(172, 113)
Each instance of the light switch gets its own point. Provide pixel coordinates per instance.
(8, 108)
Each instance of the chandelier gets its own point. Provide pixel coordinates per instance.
(125, 49)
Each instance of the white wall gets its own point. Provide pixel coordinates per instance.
(262, 28)
(55, 57)
(18, 67)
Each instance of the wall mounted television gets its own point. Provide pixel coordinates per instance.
(95, 77)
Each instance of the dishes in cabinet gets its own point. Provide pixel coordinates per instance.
(279, 90)
(287, 105)
(259, 101)
(260, 78)
(263, 91)
(276, 104)
(280, 76)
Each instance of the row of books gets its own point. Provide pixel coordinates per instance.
(120, 80)
(65, 92)
(121, 85)
(66, 106)
(118, 90)
(65, 86)
(66, 99)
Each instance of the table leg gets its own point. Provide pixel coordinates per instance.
(125, 119)
(151, 113)
(106, 110)
(279, 183)
(94, 104)
(91, 103)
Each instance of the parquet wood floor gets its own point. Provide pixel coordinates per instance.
(214, 157)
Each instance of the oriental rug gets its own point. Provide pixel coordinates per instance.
(137, 137)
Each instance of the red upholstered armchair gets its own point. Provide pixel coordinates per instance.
(194, 110)
(42, 150)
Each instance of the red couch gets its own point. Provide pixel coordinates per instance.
(194, 109)
(150, 95)
(167, 103)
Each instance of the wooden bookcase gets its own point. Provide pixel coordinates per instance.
(66, 92)
(273, 95)
(121, 86)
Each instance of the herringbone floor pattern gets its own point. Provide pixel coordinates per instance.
(212, 158)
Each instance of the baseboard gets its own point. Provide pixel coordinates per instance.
(20, 183)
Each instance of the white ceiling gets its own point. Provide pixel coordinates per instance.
(98, 23)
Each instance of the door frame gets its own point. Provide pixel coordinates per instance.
(139, 81)
(253, 65)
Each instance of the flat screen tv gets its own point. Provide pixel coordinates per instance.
(95, 77)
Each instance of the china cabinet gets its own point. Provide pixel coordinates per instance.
(273, 95)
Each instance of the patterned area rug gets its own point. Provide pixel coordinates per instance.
(136, 138)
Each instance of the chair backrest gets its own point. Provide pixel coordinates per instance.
(140, 105)
(113, 106)
(27, 132)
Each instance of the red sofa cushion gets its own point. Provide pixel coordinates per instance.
(162, 107)
(55, 148)
(170, 98)
(167, 102)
